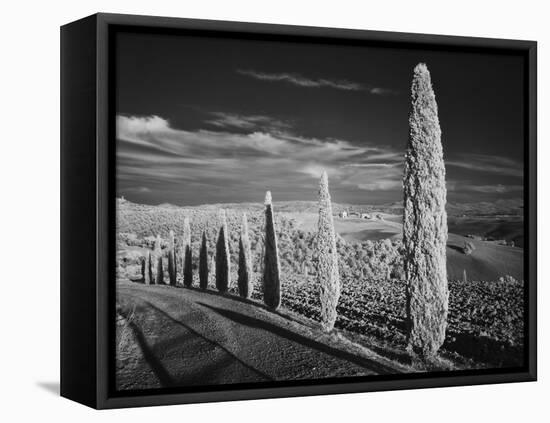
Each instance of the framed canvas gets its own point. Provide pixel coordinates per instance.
(255, 211)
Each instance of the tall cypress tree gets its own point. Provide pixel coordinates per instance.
(187, 254)
(223, 263)
(425, 222)
(245, 262)
(203, 263)
(149, 271)
(158, 271)
(271, 276)
(327, 263)
(146, 268)
(172, 272)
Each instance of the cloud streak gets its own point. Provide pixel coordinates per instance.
(246, 122)
(308, 82)
(460, 186)
(487, 164)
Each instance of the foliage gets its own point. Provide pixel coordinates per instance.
(159, 279)
(172, 269)
(147, 269)
(271, 270)
(223, 261)
(327, 263)
(203, 263)
(187, 254)
(245, 262)
(468, 248)
(425, 221)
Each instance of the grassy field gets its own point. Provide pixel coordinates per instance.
(509, 228)
(352, 229)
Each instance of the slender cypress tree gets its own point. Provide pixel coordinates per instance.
(187, 254)
(149, 272)
(245, 262)
(212, 267)
(425, 222)
(223, 264)
(203, 263)
(172, 272)
(327, 263)
(146, 268)
(271, 279)
(158, 271)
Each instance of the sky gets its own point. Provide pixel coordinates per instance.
(204, 120)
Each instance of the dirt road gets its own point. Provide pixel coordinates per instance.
(169, 336)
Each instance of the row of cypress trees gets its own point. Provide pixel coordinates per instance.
(153, 272)
(424, 238)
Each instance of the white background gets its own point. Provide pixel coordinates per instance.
(29, 274)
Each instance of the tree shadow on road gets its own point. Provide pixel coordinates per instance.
(249, 301)
(160, 371)
(197, 334)
(300, 339)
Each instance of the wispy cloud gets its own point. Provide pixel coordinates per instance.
(195, 145)
(245, 122)
(483, 188)
(495, 189)
(488, 164)
(141, 190)
(308, 82)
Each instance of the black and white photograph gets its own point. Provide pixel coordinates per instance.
(308, 211)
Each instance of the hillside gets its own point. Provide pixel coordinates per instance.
(489, 260)
(296, 224)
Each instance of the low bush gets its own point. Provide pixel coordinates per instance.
(468, 248)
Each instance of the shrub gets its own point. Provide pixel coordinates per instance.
(327, 264)
(245, 264)
(468, 248)
(271, 276)
(508, 279)
(425, 222)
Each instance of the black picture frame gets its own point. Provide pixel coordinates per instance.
(87, 209)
